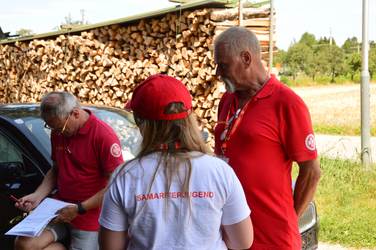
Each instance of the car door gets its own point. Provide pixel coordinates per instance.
(20, 174)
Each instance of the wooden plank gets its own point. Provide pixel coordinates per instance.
(263, 22)
(219, 15)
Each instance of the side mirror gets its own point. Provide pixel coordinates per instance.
(10, 171)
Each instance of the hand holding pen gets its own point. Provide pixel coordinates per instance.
(15, 199)
(26, 203)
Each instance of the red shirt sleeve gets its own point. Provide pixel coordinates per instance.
(297, 134)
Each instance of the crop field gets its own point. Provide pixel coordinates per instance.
(334, 106)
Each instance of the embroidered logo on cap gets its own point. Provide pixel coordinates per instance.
(115, 150)
(310, 142)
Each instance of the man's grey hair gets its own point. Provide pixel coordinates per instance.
(237, 39)
(58, 106)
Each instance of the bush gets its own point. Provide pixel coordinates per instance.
(284, 79)
(341, 79)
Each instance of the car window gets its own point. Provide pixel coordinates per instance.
(36, 126)
(8, 152)
(126, 131)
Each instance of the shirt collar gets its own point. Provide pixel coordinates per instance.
(266, 91)
(87, 125)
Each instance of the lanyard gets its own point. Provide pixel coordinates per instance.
(170, 145)
(232, 126)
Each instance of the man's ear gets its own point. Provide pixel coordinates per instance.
(76, 113)
(246, 58)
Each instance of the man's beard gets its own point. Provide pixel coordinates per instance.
(230, 86)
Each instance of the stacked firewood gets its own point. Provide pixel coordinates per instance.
(105, 64)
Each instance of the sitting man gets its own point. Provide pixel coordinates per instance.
(85, 151)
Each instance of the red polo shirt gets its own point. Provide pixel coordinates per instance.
(83, 160)
(275, 131)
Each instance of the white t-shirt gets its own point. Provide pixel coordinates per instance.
(217, 199)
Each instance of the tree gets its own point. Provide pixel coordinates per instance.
(312, 65)
(294, 60)
(308, 39)
(322, 61)
(301, 54)
(372, 44)
(310, 68)
(349, 45)
(25, 32)
(69, 20)
(372, 62)
(279, 58)
(335, 58)
(326, 40)
(316, 61)
(354, 64)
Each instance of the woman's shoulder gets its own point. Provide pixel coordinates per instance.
(211, 161)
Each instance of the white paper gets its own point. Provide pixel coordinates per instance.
(38, 219)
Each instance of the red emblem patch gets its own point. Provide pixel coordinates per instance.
(310, 142)
(115, 150)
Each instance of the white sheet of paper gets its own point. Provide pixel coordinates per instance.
(37, 220)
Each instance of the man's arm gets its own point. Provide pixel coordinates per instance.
(48, 185)
(306, 185)
(68, 213)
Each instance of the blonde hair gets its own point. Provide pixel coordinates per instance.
(172, 161)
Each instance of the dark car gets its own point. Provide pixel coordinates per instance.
(25, 154)
(25, 159)
(309, 226)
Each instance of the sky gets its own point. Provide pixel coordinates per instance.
(340, 19)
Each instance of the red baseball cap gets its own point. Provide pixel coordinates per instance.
(151, 97)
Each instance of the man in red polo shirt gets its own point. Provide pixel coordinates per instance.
(85, 151)
(263, 126)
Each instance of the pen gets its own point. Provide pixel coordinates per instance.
(15, 199)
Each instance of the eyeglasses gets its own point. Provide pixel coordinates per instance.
(58, 130)
(228, 126)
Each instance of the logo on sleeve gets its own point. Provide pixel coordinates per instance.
(115, 150)
(310, 142)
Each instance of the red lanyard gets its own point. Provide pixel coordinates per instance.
(170, 145)
(237, 118)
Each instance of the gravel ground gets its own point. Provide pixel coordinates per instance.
(345, 147)
(324, 246)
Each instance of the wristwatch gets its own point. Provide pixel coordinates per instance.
(81, 209)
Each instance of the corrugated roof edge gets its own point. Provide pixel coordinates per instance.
(184, 6)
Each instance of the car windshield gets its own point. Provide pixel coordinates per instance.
(123, 124)
(121, 121)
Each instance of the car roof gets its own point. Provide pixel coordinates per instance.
(21, 110)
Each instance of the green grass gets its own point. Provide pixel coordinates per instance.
(346, 203)
(341, 130)
(303, 80)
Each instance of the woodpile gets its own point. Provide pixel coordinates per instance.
(105, 64)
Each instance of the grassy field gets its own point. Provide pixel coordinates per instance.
(346, 203)
(335, 108)
(346, 196)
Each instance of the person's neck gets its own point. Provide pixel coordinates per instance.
(245, 95)
(85, 117)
